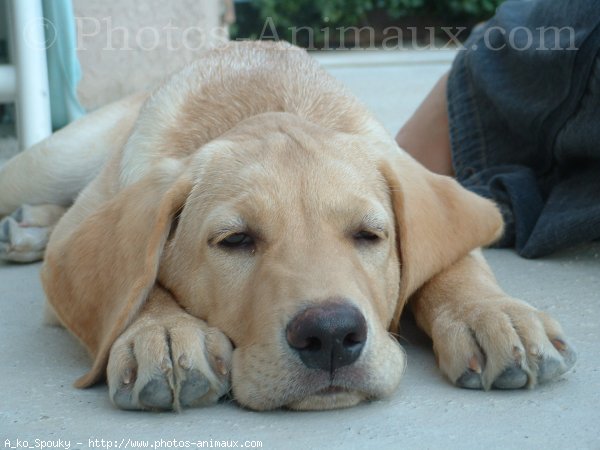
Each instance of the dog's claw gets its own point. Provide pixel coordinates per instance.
(549, 367)
(470, 380)
(566, 351)
(157, 394)
(123, 397)
(18, 214)
(193, 389)
(569, 356)
(512, 378)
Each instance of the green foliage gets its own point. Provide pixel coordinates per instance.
(474, 8)
(355, 11)
(315, 14)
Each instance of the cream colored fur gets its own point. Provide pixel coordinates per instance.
(256, 138)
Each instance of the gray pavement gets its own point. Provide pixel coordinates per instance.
(39, 363)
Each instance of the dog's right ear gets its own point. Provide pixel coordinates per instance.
(98, 278)
(438, 221)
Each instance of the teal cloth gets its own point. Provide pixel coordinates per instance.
(64, 71)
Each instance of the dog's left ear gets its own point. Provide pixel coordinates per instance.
(98, 277)
(438, 221)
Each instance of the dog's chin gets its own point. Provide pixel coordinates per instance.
(328, 398)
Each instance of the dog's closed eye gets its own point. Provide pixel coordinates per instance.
(233, 235)
(370, 230)
(366, 236)
(237, 241)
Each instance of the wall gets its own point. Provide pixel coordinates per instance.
(128, 45)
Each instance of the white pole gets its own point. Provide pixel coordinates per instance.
(33, 96)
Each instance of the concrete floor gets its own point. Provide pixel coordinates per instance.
(39, 363)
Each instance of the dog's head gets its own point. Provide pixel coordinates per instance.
(287, 244)
(302, 245)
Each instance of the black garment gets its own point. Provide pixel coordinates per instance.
(524, 109)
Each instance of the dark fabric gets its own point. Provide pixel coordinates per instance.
(524, 115)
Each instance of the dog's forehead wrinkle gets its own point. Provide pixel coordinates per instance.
(288, 176)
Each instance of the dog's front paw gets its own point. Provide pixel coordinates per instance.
(25, 233)
(173, 364)
(502, 343)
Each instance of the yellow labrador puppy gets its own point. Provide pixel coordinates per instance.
(250, 226)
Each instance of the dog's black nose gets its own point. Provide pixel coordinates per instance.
(328, 336)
